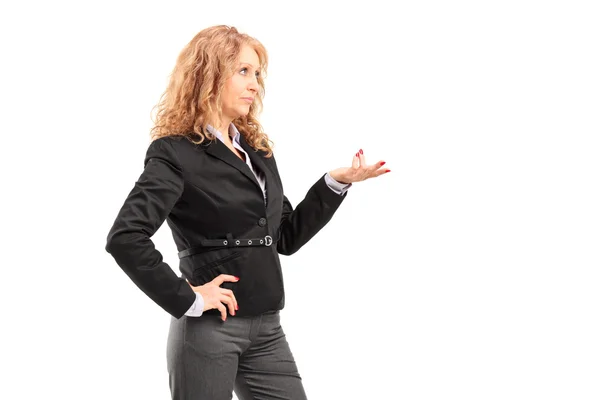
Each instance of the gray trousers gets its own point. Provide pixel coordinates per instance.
(208, 359)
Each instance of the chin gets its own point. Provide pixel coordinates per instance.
(244, 111)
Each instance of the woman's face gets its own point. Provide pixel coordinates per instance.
(241, 89)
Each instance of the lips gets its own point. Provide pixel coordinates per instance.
(248, 99)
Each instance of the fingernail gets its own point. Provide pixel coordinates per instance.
(361, 152)
(387, 170)
(356, 155)
(383, 162)
(237, 277)
(236, 307)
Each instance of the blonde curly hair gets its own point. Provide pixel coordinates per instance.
(192, 99)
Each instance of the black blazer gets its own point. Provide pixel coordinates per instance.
(214, 206)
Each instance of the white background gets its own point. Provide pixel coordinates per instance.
(471, 271)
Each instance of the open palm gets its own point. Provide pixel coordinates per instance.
(359, 171)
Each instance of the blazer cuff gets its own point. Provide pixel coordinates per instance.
(326, 194)
(337, 187)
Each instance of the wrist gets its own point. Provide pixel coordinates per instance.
(336, 178)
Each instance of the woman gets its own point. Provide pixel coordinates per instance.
(210, 172)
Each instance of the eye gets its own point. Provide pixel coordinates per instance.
(244, 71)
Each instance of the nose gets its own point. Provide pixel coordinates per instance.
(253, 85)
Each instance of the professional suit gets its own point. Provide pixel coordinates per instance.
(222, 222)
(210, 197)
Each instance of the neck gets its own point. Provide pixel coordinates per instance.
(223, 127)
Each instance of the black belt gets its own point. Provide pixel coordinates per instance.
(228, 242)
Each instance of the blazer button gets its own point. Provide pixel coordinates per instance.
(262, 222)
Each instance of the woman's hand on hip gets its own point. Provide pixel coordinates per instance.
(214, 295)
(359, 171)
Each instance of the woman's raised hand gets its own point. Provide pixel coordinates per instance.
(359, 171)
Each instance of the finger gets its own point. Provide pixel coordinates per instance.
(375, 167)
(362, 159)
(229, 292)
(223, 310)
(225, 278)
(381, 172)
(225, 298)
(356, 161)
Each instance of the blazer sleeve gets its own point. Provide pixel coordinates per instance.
(143, 212)
(299, 225)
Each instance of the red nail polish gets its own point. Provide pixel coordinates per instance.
(237, 277)
(383, 162)
(361, 152)
(236, 307)
(387, 170)
(356, 154)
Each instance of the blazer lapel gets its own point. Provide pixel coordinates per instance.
(219, 150)
(259, 163)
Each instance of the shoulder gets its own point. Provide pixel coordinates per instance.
(171, 143)
(181, 150)
(163, 148)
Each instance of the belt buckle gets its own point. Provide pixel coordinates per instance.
(268, 240)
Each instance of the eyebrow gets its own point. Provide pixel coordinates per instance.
(245, 63)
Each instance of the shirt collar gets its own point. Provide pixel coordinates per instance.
(232, 132)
